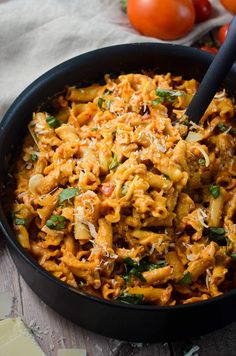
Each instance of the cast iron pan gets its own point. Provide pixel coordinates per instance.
(121, 321)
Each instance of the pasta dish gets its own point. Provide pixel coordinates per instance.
(120, 196)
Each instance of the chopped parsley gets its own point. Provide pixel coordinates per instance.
(34, 157)
(94, 129)
(56, 222)
(114, 163)
(202, 161)
(166, 96)
(130, 298)
(53, 122)
(214, 190)
(187, 278)
(100, 103)
(68, 194)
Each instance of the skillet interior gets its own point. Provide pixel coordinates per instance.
(134, 323)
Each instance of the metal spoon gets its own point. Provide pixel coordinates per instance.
(214, 76)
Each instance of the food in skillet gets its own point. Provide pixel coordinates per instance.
(119, 195)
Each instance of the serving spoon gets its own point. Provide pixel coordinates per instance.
(214, 76)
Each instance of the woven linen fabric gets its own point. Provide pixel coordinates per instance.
(36, 35)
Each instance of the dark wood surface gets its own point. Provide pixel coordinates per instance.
(52, 331)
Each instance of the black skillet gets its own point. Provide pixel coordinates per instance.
(118, 320)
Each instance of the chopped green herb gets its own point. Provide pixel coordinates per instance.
(20, 221)
(108, 103)
(187, 278)
(202, 161)
(107, 92)
(214, 190)
(94, 129)
(53, 122)
(124, 189)
(222, 127)
(156, 101)
(138, 268)
(233, 256)
(100, 103)
(129, 262)
(216, 234)
(34, 157)
(56, 222)
(168, 96)
(186, 122)
(114, 163)
(152, 266)
(68, 194)
(131, 298)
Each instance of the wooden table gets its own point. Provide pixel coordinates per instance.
(52, 331)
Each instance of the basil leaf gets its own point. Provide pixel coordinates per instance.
(34, 157)
(138, 268)
(114, 163)
(168, 96)
(129, 262)
(137, 272)
(187, 278)
(56, 222)
(20, 221)
(214, 190)
(100, 103)
(152, 266)
(131, 298)
(216, 234)
(233, 256)
(202, 161)
(68, 194)
(53, 122)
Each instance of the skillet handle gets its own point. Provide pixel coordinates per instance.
(214, 76)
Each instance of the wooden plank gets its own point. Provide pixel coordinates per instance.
(9, 279)
(221, 342)
(52, 331)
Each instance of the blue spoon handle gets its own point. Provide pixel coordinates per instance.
(214, 76)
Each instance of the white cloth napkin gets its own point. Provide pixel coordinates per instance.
(36, 35)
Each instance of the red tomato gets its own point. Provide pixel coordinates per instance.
(164, 19)
(107, 189)
(223, 33)
(212, 50)
(203, 10)
(230, 5)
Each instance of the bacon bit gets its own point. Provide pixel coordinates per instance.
(107, 189)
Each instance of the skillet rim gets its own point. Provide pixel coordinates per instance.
(23, 98)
